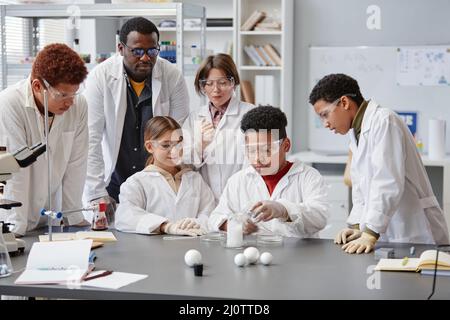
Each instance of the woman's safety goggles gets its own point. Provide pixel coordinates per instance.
(221, 83)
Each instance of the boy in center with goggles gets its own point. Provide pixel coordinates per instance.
(285, 198)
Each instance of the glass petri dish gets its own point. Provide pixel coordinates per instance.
(213, 236)
(269, 239)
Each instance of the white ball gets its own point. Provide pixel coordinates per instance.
(266, 258)
(240, 260)
(252, 254)
(193, 257)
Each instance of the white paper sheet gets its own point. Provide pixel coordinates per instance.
(56, 262)
(64, 277)
(115, 280)
(59, 254)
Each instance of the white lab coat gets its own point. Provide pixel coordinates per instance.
(225, 155)
(302, 191)
(147, 200)
(21, 124)
(391, 192)
(106, 95)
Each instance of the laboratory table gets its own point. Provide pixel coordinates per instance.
(302, 269)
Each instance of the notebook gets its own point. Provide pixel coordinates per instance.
(426, 261)
(97, 236)
(62, 262)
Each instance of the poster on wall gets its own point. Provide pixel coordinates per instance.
(410, 119)
(423, 66)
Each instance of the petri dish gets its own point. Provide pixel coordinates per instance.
(269, 239)
(213, 236)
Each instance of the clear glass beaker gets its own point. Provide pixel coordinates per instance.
(234, 237)
(6, 268)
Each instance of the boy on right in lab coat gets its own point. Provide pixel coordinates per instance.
(392, 196)
(286, 198)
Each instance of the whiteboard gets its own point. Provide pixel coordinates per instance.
(375, 69)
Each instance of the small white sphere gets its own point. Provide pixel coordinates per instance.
(193, 257)
(252, 254)
(240, 260)
(266, 258)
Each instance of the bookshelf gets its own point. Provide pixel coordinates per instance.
(219, 39)
(112, 13)
(281, 77)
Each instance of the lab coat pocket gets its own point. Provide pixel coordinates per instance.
(67, 143)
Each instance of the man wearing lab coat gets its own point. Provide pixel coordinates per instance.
(392, 195)
(279, 197)
(123, 93)
(59, 71)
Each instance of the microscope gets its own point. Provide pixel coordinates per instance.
(9, 164)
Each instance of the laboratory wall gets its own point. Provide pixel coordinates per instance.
(343, 23)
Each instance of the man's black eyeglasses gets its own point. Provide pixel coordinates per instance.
(139, 52)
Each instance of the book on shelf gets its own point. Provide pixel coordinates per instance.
(219, 22)
(251, 53)
(263, 55)
(268, 26)
(270, 62)
(247, 93)
(273, 53)
(257, 55)
(259, 50)
(255, 17)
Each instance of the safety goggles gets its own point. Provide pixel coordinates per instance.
(58, 95)
(329, 108)
(221, 83)
(139, 52)
(263, 149)
(168, 145)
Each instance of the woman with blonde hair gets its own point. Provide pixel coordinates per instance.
(165, 197)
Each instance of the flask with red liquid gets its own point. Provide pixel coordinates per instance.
(100, 222)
